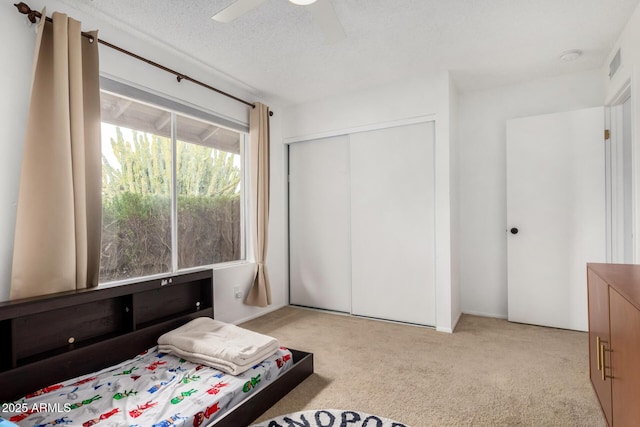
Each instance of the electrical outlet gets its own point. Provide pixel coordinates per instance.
(237, 292)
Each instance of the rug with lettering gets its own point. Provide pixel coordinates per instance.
(329, 418)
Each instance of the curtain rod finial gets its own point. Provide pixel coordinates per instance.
(26, 10)
(22, 8)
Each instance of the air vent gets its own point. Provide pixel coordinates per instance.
(614, 65)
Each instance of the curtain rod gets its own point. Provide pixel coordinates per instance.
(33, 14)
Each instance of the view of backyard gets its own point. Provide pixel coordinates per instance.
(136, 198)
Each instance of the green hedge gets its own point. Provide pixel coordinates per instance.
(136, 233)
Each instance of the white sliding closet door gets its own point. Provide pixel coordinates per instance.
(392, 223)
(319, 221)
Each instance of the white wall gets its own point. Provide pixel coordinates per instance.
(628, 74)
(15, 86)
(454, 190)
(390, 103)
(482, 151)
(15, 83)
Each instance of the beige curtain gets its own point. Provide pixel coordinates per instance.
(59, 213)
(260, 293)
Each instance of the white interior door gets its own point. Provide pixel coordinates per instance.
(556, 201)
(392, 225)
(319, 222)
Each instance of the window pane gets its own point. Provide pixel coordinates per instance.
(209, 176)
(136, 189)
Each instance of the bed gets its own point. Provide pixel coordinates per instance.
(60, 342)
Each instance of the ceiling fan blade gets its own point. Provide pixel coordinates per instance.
(326, 18)
(236, 9)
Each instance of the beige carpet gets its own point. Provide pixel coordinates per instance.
(490, 372)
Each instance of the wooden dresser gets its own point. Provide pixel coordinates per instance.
(614, 340)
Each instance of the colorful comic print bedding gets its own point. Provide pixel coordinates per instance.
(151, 390)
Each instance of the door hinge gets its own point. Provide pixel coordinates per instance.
(607, 134)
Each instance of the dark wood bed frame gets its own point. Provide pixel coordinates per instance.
(57, 337)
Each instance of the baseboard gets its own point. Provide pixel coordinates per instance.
(481, 314)
(358, 316)
(322, 310)
(262, 313)
(457, 321)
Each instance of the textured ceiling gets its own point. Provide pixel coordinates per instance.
(276, 49)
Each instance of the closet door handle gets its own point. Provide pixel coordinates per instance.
(598, 353)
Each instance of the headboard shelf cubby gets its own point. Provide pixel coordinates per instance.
(60, 336)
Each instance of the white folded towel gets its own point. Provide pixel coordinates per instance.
(221, 345)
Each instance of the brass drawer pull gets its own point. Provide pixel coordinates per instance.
(601, 352)
(601, 356)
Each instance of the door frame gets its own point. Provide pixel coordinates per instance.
(616, 123)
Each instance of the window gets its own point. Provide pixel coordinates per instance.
(172, 190)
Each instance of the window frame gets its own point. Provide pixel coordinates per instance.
(179, 108)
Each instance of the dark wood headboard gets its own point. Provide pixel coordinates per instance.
(49, 339)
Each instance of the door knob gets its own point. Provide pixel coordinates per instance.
(514, 230)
